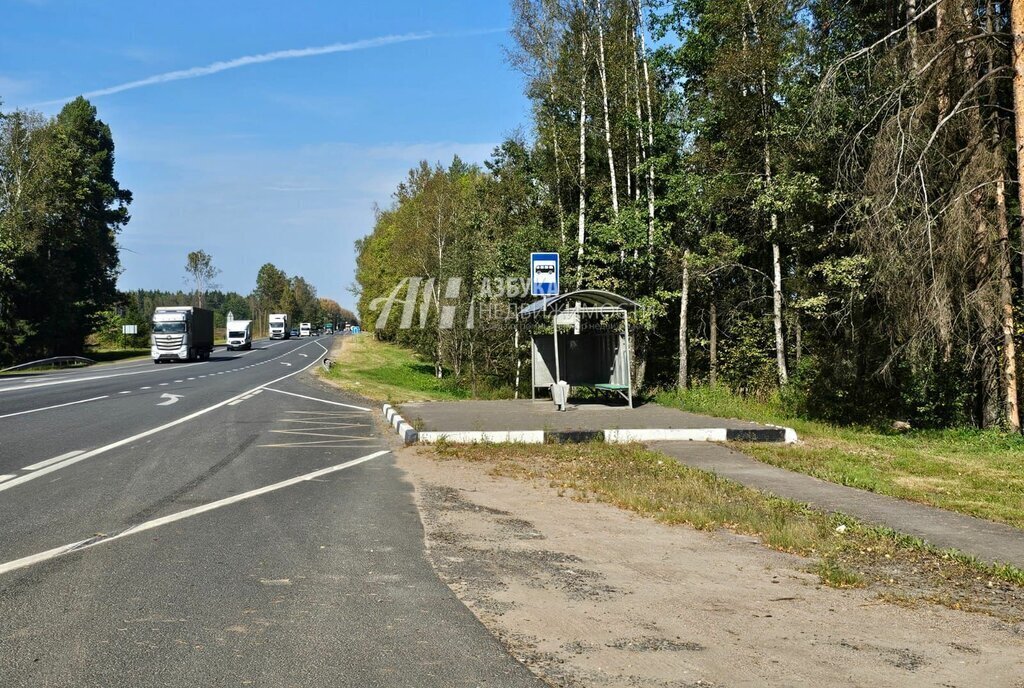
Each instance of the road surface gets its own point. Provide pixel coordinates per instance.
(229, 522)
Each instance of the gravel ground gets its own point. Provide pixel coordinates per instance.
(589, 595)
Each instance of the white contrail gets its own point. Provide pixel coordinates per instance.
(195, 72)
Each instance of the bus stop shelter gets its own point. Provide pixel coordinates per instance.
(595, 354)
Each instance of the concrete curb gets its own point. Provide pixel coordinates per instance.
(410, 435)
(405, 431)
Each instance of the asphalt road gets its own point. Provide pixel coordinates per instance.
(225, 523)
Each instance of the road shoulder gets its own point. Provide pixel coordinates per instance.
(585, 593)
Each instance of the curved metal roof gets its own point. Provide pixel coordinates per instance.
(591, 297)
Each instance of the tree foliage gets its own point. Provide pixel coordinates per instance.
(60, 211)
(826, 181)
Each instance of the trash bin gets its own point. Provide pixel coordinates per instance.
(559, 394)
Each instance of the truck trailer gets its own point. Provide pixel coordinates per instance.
(181, 333)
(279, 327)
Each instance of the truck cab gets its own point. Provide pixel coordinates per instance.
(305, 329)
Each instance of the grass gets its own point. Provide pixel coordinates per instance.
(980, 473)
(846, 552)
(110, 355)
(385, 372)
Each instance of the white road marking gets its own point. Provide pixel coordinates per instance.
(171, 399)
(322, 401)
(145, 388)
(304, 355)
(163, 384)
(179, 380)
(5, 477)
(152, 431)
(125, 392)
(47, 408)
(56, 459)
(287, 364)
(181, 515)
(81, 379)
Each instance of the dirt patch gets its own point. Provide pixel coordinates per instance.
(589, 595)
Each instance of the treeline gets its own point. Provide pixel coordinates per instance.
(818, 199)
(276, 292)
(60, 211)
(297, 297)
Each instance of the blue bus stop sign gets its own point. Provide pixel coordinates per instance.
(544, 274)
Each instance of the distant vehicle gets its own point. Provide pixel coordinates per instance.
(329, 328)
(279, 326)
(294, 332)
(239, 335)
(181, 333)
(305, 330)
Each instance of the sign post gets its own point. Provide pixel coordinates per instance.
(544, 281)
(544, 274)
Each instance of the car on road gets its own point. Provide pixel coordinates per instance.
(294, 333)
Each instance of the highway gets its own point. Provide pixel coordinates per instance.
(229, 522)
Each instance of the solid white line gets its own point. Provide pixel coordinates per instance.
(56, 459)
(151, 431)
(188, 513)
(5, 477)
(42, 556)
(47, 408)
(322, 401)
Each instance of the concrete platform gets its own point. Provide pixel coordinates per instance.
(538, 422)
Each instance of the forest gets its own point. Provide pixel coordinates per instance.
(816, 201)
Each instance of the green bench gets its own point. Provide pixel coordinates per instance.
(621, 390)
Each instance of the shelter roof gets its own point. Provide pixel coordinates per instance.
(591, 298)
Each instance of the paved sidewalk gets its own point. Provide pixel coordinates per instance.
(989, 541)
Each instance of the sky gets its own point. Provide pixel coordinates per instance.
(265, 131)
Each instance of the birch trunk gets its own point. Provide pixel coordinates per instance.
(582, 223)
(780, 342)
(684, 302)
(1017, 31)
(912, 31)
(650, 139)
(1011, 408)
(713, 354)
(602, 70)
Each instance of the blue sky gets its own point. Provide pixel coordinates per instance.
(279, 161)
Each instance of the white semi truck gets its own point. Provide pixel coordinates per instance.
(181, 333)
(279, 326)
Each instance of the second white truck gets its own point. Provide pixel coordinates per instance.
(279, 326)
(239, 335)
